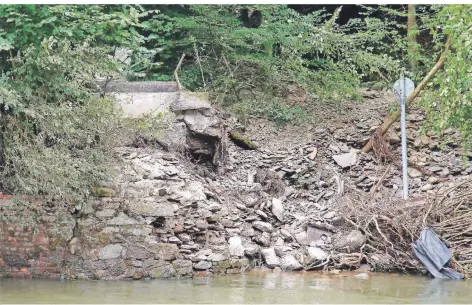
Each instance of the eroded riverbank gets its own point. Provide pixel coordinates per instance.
(221, 209)
(253, 287)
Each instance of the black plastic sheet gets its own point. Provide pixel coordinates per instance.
(434, 255)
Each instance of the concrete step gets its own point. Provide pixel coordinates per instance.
(141, 87)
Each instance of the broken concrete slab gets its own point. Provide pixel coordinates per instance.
(196, 127)
(174, 138)
(139, 87)
(191, 101)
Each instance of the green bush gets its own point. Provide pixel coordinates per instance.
(57, 133)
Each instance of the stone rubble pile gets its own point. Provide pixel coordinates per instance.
(165, 217)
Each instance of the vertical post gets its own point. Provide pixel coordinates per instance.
(403, 127)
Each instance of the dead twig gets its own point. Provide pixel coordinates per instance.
(319, 265)
(382, 178)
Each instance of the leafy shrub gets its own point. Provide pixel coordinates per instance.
(448, 97)
(57, 133)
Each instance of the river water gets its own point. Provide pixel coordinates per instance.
(254, 287)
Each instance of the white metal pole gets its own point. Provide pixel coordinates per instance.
(403, 127)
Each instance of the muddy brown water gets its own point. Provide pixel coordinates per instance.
(254, 287)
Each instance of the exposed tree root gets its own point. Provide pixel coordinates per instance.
(391, 225)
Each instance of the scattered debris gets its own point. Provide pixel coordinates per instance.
(285, 204)
(313, 154)
(278, 209)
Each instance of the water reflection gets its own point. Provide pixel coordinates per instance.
(256, 287)
(441, 290)
(270, 280)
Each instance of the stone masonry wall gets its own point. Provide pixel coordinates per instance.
(154, 221)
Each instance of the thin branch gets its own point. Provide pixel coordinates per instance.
(374, 189)
(176, 72)
(199, 63)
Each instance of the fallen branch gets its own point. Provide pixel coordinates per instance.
(176, 72)
(199, 64)
(382, 178)
(394, 117)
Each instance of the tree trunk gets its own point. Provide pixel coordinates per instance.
(391, 119)
(411, 37)
(2, 132)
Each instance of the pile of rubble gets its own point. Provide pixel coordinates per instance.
(305, 174)
(167, 215)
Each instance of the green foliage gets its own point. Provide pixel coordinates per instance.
(22, 26)
(448, 97)
(242, 64)
(57, 134)
(249, 68)
(164, 33)
(276, 109)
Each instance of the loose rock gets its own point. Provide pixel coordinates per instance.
(278, 209)
(290, 263)
(236, 246)
(414, 173)
(351, 242)
(346, 160)
(263, 226)
(111, 251)
(203, 265)
(270, 258)
(316, 254)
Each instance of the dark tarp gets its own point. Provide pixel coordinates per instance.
(434, 255)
